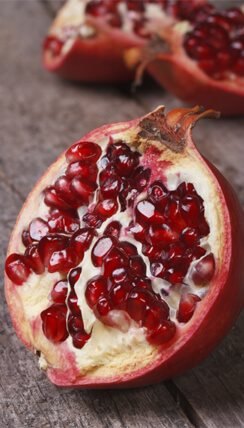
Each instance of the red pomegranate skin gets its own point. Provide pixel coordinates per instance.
(223, 302)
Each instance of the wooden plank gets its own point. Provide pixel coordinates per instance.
(43, 117)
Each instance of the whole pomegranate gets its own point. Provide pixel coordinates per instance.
(125, 266)
(88, 39)
(200, 62)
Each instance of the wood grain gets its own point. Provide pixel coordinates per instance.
(40, 116)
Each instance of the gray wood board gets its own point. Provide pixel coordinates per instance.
(40, 116)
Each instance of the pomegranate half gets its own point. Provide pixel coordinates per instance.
(125, 266)
(88, 39)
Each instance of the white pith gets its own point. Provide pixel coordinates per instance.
(110, 351)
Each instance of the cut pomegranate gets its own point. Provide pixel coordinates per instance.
(142, 268)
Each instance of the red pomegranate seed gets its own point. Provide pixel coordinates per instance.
(128, 248)
(145, 212)
(162, 236)
(190, 236)
(143, 282)
(53, 45)
(82, 239)
(74, 276)
(141, 178)
(204, 270)
(34, 260)
(84, 151)
(110, 187)
(137, 303)
(17, 269)
(138, 232)
(216, 35)
(64, 190)
(95, 288)
(73, 303)
(235, 15)
(163, 334)
(191, 208)
(175, 253)
(187, 306)
(38, 228)
(117, 149)
(198, 49)
(106, 173)
(83, 188)
(137, 6)
(54, 323)
(219, 20)
(103, 307)
(63, 260)
(200, 13)
(59, 292)
(126, 163)
(203, 227)
(49, 244)
(137, 266)
(198, 252)
(107, 208)
(158, 269)
(75, 324)
(80, 339)
(61, 221)
(185, 189)
(92, 220)
(82, 169)
(155, 314)
(118, 295)
(174, 216)
(158, 193)
(26, 239)
(153, 253)
(176, 274)
(101, 249)
(53, 200)
(115, 259)
(119, 275)
(113, 229)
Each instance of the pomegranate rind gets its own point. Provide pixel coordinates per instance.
(214, 315)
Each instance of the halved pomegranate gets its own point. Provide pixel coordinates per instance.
(133, 273)
(200, 62)
(88, 38)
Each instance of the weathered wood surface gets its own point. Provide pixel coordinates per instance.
(40, 115)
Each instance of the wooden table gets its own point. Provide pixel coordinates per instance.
(40, 116)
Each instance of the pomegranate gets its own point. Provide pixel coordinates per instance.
(88, 38)
(200, 62)
(130, 245)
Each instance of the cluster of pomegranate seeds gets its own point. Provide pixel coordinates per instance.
(217, 43)
(168, 225)
(54, 45)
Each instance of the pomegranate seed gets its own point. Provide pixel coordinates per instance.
(175, 254)
(118, 295)
(162, 236)
(164, 333)
(52, 199)
(110, 187)
(82, 239)
(137, 302)
(107, 208)
(198, 252)
(37, 229)
(137, 6)
(187, 306)
(191, 208)
(235, 16)
(153, 253)
(26, 239)
(143, 282)
(82, 169)
(126, 163)
(174, 216)
(53, 45)
(103, 307)
(84, 151)
(219, 20)
(158, 269)
(83, 188)
(74, 276)
(186, 189)
(176, 274)
(137, 266)
(92, 220)
(17, 269)
(145, 212)
(64, 190)
(138, 232)
(190, 236)
(203, 228)
(117, 149)
(119, 275)
(59, 292)
(128, 248)
(54, 323)
(61, 221)
(157, 192)
(113, 229)
(204, 270)
(95, 288)
(101, 249)
(155, 314)
(80, 339)
(141, 178)
(63, 260)
(50, 244)
(75, 324)
(198, 49)
(73, 303)
(33, 259)
(114, 260)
